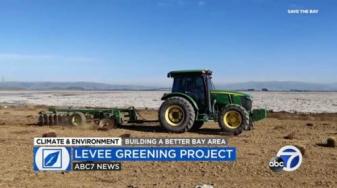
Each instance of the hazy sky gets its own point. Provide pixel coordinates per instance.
(139, 41)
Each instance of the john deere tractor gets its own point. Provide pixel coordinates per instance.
(194, 100)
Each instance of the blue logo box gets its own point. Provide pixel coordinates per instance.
(51, 158)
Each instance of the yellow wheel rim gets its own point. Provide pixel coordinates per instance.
(174, 115)
(232, 119)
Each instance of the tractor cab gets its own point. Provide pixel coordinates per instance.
(197, 84)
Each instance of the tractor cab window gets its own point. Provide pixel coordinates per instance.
(188, 84)
(193, 86)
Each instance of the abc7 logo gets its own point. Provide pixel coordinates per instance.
(276, 164)
(288, 158)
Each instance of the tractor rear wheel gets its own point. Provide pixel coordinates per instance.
(78, 119)
(233, 119)
(176, 114)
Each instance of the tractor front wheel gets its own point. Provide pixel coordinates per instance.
(233, 119)
(176, 114)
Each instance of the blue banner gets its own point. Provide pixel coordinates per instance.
(154, 154)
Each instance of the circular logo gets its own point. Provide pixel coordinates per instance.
(276, 164)
(291, 157)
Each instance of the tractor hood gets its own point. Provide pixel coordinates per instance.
(225, 97)
(229, 92)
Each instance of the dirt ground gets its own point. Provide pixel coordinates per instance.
(254, 148)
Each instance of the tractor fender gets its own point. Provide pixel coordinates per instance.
(183, 95)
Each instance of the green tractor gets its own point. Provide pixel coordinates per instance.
(194, 100)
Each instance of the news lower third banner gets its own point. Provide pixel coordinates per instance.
(81, 154)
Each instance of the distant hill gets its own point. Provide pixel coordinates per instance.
(280, 86)
(251, 86)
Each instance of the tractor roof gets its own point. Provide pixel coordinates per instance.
(189, 73)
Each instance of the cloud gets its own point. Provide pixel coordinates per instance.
(40, 57)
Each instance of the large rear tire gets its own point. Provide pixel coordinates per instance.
(233, 119)
(176, 114)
